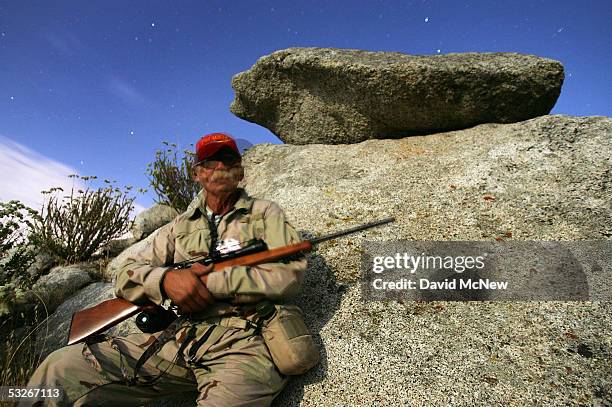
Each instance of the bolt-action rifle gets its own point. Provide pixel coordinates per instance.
(99, 318)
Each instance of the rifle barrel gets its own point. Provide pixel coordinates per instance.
(351, 230)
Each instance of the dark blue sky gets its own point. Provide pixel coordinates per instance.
(96, 86)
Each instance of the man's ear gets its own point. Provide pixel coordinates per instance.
(194, 174)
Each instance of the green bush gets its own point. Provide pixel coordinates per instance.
(77, 225)
(16, 255)
(170, 177)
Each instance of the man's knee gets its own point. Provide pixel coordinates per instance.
(220, 393)
(253, 382)
(245, 377)
(67, 370)
(96, 375)
(58, 366)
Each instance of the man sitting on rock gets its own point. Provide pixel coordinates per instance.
(218, 351)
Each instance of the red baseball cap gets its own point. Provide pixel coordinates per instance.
(210, 144)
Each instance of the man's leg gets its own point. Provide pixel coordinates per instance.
(243, 375)
(96, 374)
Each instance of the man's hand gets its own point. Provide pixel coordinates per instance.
(187, 288)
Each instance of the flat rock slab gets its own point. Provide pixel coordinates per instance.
(335, 96)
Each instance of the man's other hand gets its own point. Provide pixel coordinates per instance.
(187, 288)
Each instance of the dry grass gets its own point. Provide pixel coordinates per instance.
(20, 354)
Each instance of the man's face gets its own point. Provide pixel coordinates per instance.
(220, 174)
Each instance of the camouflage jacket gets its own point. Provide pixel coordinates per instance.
(188, 236)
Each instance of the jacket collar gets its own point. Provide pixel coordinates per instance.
(197, 207)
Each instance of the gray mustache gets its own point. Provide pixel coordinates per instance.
(231, 175)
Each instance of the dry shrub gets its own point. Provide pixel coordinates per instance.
(170, 176)
(75, 226)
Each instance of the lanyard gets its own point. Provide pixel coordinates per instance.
(214, 236)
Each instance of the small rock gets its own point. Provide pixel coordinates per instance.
(152, 219)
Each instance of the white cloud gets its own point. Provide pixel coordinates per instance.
(24, 173)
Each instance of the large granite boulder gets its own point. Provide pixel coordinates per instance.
(547, 178)
(334, 96)
(544, 179)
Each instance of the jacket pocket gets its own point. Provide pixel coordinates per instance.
(193, 243)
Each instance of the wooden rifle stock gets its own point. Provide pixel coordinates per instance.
(99, 318)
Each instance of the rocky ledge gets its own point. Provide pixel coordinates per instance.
(338, 96)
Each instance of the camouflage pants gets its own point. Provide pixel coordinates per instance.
(232, 367)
